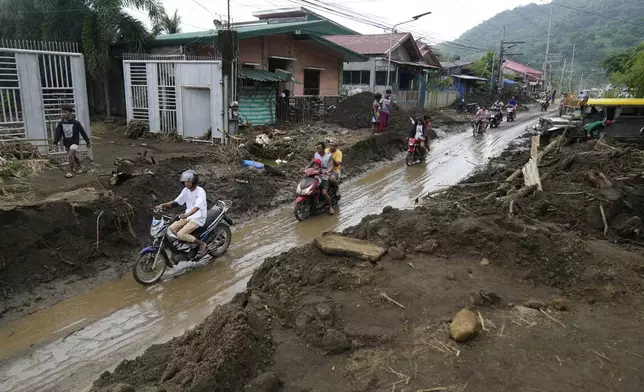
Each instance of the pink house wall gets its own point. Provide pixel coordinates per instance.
(307, 52)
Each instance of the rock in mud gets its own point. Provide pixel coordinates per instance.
(464, 326)
(335, 342)
(303, 319)
(630, 228)
(120, 387)
(266, 382)
(396, 253)
(324, 311)
(427, 247)
(485, 262)
(534, 304)
(387, 209)
(170, 372)
(450, 276)
(337, 245)
(561, 304)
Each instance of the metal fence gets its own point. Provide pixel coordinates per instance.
(45, 46)
(306, 108)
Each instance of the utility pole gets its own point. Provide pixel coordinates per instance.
(563, 69)
(545, 64)
(228, 4)
(500, 86)
(580, 82)
(572, 65)
(492, 74)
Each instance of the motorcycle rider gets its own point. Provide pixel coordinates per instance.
(480, 117)
(336, 158)
(326, 164)
(194, 198)
(513, 102)
(419, 132)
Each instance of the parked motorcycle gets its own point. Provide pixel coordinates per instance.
(544, 105)
(479, 127)
(166, 250)
(415, 152)
(495, 118)
(467, 107)
(512, 113)
(309, 200)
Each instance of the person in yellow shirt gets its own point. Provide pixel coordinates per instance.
(336, 155)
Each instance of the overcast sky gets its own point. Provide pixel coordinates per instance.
(449, 18)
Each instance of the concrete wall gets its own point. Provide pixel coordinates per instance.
(373, 65)
(440, 99)
(308, 54)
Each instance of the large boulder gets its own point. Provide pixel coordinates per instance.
(337, 245)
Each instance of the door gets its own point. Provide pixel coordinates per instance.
(311, 82)
(197, 115)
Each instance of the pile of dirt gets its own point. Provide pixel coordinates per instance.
(354, 112)
(220, 355)
(57, 238)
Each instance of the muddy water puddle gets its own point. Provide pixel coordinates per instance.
(68, 345)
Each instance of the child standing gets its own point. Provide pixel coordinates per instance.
(375, 112)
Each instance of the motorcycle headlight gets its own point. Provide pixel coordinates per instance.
(156, 227)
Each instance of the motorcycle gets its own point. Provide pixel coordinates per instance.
(544, 105)
(469, 107)
(415, 152)
(479, 127)
(167, 251)
(495, 118)
(512, 113)
(309, 200)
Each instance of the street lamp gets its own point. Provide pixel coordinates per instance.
(391, 36)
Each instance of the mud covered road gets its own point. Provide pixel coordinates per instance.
(66, 346)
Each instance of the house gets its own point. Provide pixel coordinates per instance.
(529, 78)
(407, 67)
(458, 77)
(285, 49)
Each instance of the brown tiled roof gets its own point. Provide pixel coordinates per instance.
(369, 44)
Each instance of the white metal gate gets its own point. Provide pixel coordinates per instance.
(154, 88)
(33, 86)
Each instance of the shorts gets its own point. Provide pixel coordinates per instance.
(374, 120)
(73, 147)
(324, 184)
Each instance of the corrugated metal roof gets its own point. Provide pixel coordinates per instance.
(249, 31)
(369, 44)
(452, 64)
(468, 77)
(259, 75)
(420, 65)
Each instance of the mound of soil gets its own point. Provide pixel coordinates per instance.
(57, 237)
(354, 112)
(220, 355)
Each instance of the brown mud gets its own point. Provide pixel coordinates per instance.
(42, 228)
(554, 295)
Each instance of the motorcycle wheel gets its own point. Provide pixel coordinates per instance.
(409, 159)
(302, 210)
(144, 264)
(222, 236)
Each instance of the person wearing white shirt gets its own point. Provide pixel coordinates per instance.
(194, 198)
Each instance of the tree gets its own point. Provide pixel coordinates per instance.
(168, 24)
(626, 67)
(96, 24)
(483, 66)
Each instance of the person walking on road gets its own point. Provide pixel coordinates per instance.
(385, 110)
(70, 130)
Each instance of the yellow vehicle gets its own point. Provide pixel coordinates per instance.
(625, 117)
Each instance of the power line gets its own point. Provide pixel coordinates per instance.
(596, 14)
(527, 20)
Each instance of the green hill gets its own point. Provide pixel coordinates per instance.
(596, 27)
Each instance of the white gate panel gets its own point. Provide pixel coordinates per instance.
(11, 109)
(32, 102)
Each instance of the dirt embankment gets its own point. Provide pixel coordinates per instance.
(547, 291)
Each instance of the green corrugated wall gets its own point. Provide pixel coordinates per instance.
(257, 104)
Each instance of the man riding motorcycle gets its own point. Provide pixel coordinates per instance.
(480, 117)
(194, 198)
(513, 102)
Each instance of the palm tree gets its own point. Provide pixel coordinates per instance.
(96, 24)
(167, 24)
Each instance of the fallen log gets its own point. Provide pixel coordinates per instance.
(508, 181)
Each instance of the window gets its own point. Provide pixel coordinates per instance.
(311, 82)
(356, 77)
(381, 78)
